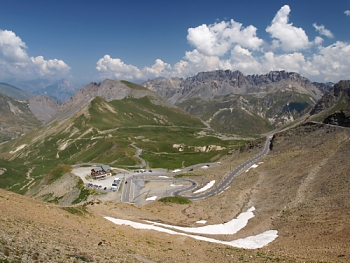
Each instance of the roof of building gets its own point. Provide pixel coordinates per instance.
(106, 167)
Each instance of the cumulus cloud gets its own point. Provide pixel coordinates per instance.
(228, 45)
(49, 67)
(333, 61)
(218, 38)
(318, 40)
(322, 30)
(285, 35)
(159, 68)
(114, 67)
(14, 60)
(12, 47)
(241, 59)
(347, 12)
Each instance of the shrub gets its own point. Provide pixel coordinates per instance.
(175, 199)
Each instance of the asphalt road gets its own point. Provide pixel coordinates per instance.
(127, 193)
(227, 181)
(129, 184)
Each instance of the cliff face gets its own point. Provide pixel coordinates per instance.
(339, 94)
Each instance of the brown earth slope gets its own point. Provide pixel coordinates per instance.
(302, 189)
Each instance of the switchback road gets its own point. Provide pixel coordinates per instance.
(226, 182)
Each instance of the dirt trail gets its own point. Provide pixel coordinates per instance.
(28, 177)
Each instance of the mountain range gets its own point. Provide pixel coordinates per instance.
(227, 101)
(233, 103)
(300, 189)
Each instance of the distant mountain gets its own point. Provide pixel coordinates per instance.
(166, 87)
(233, 103)
(60, 90)
(15, 118)
(14, 92)
(30, 85)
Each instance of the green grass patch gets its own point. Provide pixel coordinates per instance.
(14, 177)
(175, 199)
(84, 193)
(57, 172)
(75, 210)
(186, 175)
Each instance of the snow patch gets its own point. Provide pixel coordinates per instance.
(251, 242)
(206, 187)
(152, 198)
(175, 185)
(253, 166)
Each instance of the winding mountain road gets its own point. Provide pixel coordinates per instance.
(129, 184)
(227, 181)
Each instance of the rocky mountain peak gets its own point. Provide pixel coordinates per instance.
(108, 90)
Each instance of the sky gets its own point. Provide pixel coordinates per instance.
(136, 40)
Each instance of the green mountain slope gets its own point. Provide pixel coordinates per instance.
(104, 132)
(249, 114)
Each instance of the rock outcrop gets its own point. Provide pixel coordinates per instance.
(330, 99)
(340, 118)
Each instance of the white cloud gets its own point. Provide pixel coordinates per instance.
(347, 12)
(227, 45)
(49, 67)
(290, 62)
(12, 47)
(322, 30)
(241, 59)
(287, 36)
(218, 38)
(333, 61)
(15, 62)
(114, 67)
(158, 69)
(318, 40)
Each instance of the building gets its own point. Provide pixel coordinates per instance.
(101, 172)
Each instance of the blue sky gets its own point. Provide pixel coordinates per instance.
(86, 41)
